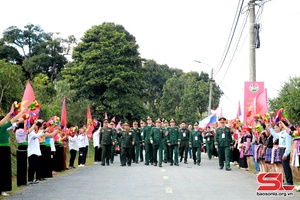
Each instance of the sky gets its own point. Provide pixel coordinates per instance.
(177, 32)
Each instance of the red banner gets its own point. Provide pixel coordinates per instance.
(251, 90)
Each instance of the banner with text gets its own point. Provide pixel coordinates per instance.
(251, 90)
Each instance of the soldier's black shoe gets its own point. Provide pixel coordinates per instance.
(185, 162)
(176, 164)
(102, 164)
(155, 165)
(136, 162)
(181, 159)
(171, 164)
(165, 161)
(146, 163)
(194, 162)
(141, 161)
(198, 164)
(228, 169)
(129, 165)
(160, 165)
(123, 165)
(151, 163)
(107, 164)
(221, 167)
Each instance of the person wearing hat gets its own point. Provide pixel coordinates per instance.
(112, 153)
(156, 139)
(127, 144)
(138, 140)
(223, 142)
(107, 139)
(165, 144)
(196, 141)
(209, 138)
(184, 143)
(146, 142)
(142, 124)
(173, 140)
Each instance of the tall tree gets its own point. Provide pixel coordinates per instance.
(107, 70)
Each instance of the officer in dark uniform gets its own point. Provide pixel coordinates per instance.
(184, 144)
(196, 141)
(156, 138)
(209, 141)
(112, 153)
(146, 142)
(173, 141)
(107, 139)
(165, 143)
(142, 124)
(127, 145)
(223, 142)
(138, 140)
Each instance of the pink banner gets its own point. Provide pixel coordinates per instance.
(251, 90)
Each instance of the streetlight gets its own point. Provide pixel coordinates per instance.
(210, 86)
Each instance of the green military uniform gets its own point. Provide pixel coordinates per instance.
(165, 146)
(112, 153)
(106, 139)
(223, 141)
(157, 136)
(148, 145)
(137, 144)
(209, 141)
(126, 151)
(184, 144)
(172, 139)
(119, 140)
(195, 142)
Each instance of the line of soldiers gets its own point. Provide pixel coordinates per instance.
(162, 143)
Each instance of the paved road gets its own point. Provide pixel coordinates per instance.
(187, 181)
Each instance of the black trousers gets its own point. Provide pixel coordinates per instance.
(106, 151)
(97, 154)
(184, 145)
(85, 152)
(22, 165)
(141, 153)
(126, 155)
(48, 167)
(52, 160)
(33, 162)
(5, 169)
(59, 158)
(287, 168)
(41, 166)
(72, 157)
(81, 154)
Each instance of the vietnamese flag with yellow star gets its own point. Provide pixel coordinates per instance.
(89, 123)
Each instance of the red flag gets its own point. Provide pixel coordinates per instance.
(239, 112)
(63, 117)
(260, 103)
(105, 115)
(89, 123)
(28, 96)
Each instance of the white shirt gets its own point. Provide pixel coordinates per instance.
(80, 141)
(52, 144)
(21, 135)
(34, 143)
(73, 144)
(86, 140)
(96, 138)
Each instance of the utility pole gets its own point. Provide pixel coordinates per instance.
(211, 80)
(252, 46)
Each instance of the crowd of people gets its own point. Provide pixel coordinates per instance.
(42, 147)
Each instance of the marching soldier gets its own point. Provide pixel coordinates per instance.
(142, 123)
(127, 145)
(165, 144)
(138, 140)
(173, 142)
(112, 153)
(107, 139)
(157, 138)
(209, 141)
(146, 142)
(195, 141)
(223, 141)
(184, 144)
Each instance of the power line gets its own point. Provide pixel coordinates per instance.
(230, 38)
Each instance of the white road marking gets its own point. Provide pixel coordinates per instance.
(165, 177)
(169, 190)
(163, 170)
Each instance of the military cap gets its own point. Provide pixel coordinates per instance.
(149, 118)
(172, 120)
(135, 123)
(125, 124)
(196, 124)
(222, 119)
(142, 122)
(105, 121)
(158, 121)
(112, 122)
(166, 121)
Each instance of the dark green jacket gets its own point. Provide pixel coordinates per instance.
(209, 137)
(157, 135)
(185, 134)
(137, 136)
(146, 134)
(127, 138)
(196, 138)
(223, 137)
(107, 136)
(173, 136)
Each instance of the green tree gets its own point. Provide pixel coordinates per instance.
(10, 84)
(107, 70)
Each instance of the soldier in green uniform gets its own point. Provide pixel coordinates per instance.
(107, 139)
(165, 143)
(209, 141)
(146, 142)
(196, 141)
(184, 144)
(142, 124)
(138, 140)
(173, 142)
(157, 138)
(223, 143)
(127, 145)
(112, 156)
